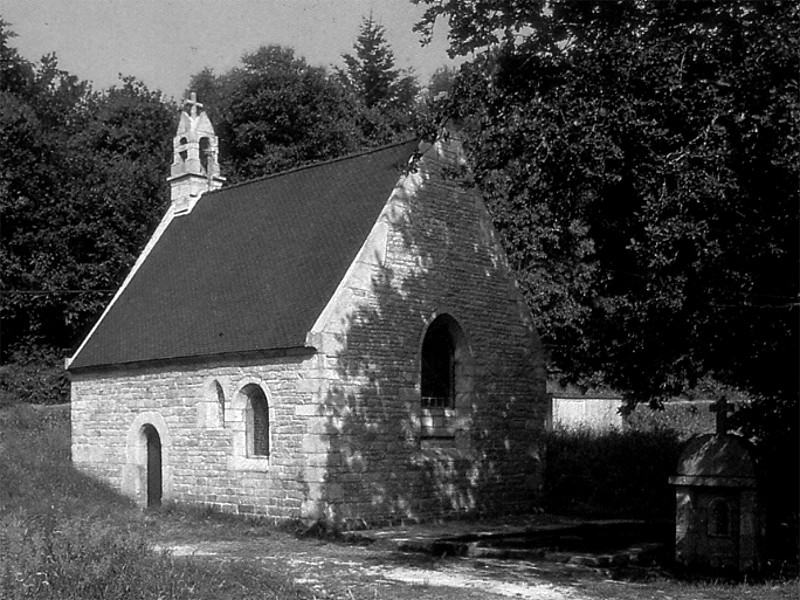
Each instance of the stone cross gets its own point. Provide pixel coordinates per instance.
(192, 101)
(721, 408)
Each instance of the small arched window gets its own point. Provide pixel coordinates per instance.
(183, 153)
(257, 418)
(438, 381)
(211, 411)
(220, 403)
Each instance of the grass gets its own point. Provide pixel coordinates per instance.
(65, 536)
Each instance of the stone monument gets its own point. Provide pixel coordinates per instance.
(719, 521)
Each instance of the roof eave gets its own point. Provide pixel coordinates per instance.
(221, 357)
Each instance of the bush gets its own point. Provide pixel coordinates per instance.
(35, 377)
(611, 473)
(772, 425)
(686, 417)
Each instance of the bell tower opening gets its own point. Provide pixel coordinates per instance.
(205, 152)
(183, 153)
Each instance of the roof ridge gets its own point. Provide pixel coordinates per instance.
(316, 164)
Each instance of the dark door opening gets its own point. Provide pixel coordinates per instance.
(153, 466)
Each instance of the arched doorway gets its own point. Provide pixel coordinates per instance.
(148, 460)
(154, 481)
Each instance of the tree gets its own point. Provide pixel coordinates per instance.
(113, 194)
(15, 72)
(442, 82)
(641, 160)
(39, 110)
(371, 71)
(385, 95)
(276, 112)
(82, 186)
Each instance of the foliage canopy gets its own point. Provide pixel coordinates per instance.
(641, 160)
(82, 186)
(274, 112)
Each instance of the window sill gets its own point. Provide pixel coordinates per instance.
(438, 433)
(251, 463)
(425, 456)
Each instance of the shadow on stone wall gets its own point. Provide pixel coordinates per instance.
(379, 469)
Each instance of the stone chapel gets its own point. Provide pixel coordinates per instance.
(343, 341)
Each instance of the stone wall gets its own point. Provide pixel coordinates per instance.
(590, 413)
(432, 252)
(349, 439)
(204, 460)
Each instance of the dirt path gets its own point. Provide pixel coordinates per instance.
(356, 572)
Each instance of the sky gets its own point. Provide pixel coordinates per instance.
(164, 42)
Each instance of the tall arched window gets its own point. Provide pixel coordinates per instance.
(257, 418)
(438, 384)
(447, 396)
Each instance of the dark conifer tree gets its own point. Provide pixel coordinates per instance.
(385, 95)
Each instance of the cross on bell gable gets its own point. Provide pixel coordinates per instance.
(193, 103)
(720, 407)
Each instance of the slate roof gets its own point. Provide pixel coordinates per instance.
(253, 265)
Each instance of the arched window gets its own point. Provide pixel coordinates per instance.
(439, 364)
(257, 418)
(211, 411)
(183, 153)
